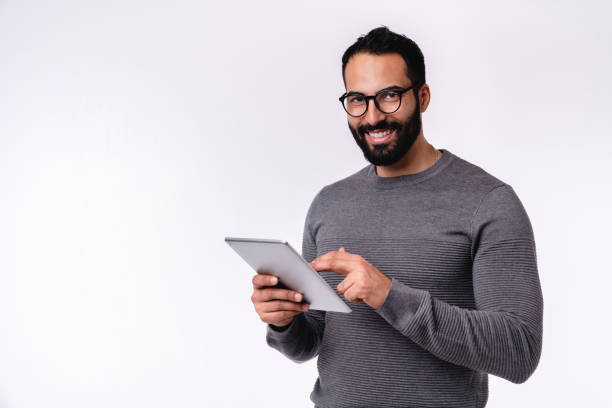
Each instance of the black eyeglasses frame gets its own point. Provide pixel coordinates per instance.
(398, 89)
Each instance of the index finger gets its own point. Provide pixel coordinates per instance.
(335, 261)
(263, 279)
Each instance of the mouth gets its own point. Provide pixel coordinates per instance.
(380, 136)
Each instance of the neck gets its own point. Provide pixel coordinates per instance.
(420, 157)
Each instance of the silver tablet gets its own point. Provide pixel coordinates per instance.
(278, 258)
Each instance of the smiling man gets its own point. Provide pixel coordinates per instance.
(435, 256)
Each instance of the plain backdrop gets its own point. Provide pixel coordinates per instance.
(136, 135)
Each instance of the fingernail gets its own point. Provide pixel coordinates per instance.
(298, 297)
(273, 281)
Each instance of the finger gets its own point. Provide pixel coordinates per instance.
(342, 251)
(335, 261)
(267, 294)
(260, 280)
(345, 284)
(351, 294)
(280, 305)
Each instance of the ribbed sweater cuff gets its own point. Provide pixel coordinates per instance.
(288, 331)
(401, 306)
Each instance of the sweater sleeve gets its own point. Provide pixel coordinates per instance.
(301, 339)
(503, 334)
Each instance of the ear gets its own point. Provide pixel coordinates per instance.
(424, 97)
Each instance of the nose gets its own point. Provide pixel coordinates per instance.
(373, 115)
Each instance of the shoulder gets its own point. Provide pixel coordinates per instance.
(491, 192)
(492, 197)
(471, 177)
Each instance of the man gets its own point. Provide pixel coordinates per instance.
(435, 257)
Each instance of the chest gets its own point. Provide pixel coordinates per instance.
(425, 245)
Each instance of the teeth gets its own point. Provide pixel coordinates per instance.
(380, 134)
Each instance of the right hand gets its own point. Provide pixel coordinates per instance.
(275, 306)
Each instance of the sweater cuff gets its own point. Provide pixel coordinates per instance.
(401, 306)
(287, 331)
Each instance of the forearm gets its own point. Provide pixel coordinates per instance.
(300, 341)
(496, 342)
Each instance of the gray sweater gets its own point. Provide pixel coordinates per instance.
(465, 298)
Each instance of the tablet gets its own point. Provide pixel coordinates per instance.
(276, 257)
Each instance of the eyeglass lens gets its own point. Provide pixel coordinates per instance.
(387, 102)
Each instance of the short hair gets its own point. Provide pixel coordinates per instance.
(381, 40)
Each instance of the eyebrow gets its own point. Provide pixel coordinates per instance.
(388, 88)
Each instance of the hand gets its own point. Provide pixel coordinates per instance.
(363, 282)
(274, 305)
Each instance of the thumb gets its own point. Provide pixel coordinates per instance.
(342, 249)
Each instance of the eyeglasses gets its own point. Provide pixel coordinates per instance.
(387, 100)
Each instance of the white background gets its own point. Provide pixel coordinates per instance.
(136, 135)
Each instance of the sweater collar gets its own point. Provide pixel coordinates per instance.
(406, 179)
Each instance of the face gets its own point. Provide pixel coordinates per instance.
(369, 73)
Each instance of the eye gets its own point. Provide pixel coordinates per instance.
(389, 95)
(355, 99)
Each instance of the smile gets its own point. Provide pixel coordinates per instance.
(377, 137)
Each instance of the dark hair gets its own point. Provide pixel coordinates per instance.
(381, 40)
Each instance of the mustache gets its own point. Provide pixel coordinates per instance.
(379, 126)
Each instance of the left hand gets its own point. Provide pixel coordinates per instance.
(363, 282)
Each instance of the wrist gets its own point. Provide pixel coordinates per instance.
(383, 293)
(280, 328)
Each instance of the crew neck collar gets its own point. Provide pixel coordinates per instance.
(406, 179)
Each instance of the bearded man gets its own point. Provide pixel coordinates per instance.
(435, 256)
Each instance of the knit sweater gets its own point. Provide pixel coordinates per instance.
(465, 299)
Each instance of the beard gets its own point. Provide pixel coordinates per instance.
(389, 153)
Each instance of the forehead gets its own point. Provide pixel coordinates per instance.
(369, 73)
